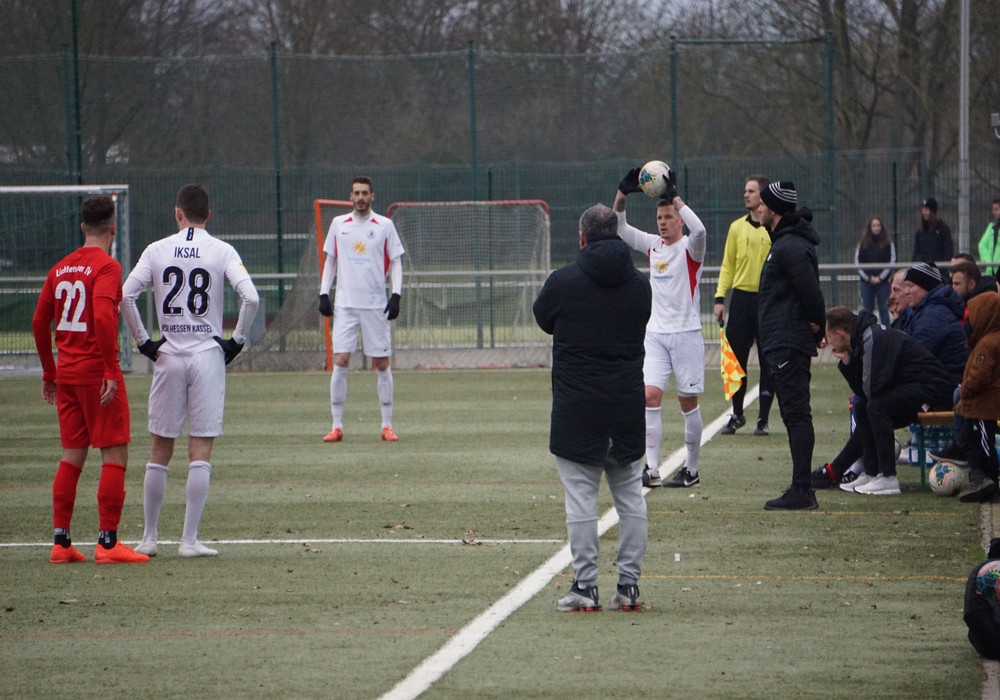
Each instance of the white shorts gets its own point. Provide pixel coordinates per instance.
(188, 386)
(680, 354)
(375, 332)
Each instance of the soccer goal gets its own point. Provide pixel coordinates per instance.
(38, 226)
(470, 274)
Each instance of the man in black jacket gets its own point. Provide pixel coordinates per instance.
(791, 312)
(893, 377)
(596, 310)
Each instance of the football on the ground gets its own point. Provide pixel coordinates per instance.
(988, 580)
(653, 178)
(947, 479)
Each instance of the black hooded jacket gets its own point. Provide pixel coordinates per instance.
(883, 359)
(789, 298)
(596, 310)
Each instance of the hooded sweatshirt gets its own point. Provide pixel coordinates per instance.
(789, 297)
(596, 309)
(980, 396)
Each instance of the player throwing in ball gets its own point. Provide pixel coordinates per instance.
(361, 249)
(674, 341)
(189, 375)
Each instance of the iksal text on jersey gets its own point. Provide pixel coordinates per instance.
(186, 252)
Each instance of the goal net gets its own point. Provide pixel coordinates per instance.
(470, 275)
(298, 337)
(38, 226)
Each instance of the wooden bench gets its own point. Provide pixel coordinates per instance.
(931, 419)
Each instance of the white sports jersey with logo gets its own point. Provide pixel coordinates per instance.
(362, 250)
(189, 289)
(674, 273)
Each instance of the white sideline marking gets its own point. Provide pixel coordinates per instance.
(471, 541)
(468, 638)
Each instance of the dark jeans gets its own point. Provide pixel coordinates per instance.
(791, 371)
(741, 330)
(877, 293)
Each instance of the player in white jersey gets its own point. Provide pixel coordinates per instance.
(361, 249)
(674, 342)
(187, 271)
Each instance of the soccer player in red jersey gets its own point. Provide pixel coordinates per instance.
(81, 294)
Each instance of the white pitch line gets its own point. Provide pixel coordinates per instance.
(468, 638)
(471, 541)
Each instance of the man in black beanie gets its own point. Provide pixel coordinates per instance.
(792, 316)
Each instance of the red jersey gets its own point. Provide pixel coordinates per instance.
(81, 294)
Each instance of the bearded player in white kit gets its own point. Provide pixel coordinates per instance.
(361, 249)
(674, 342)
(187, 271)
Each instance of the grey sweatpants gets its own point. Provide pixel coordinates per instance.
(581, 483)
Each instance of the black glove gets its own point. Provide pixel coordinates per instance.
(630, 183)
(230, 347)
(324, 305)
(151, 347)
(392, 308)
(671, 191)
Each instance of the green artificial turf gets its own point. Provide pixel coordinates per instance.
(861, 598)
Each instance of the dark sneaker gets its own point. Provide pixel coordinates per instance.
(979, 491)
(793, 499)
(651, 479)
(761, 429)
(627, 599)
(579, 600)
(821, 478)
(734, 424)
(682, 478)
(952, 453)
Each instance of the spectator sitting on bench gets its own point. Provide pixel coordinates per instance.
(979, 401)
(894, 377)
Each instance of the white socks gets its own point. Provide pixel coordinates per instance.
(654, 434)
(384, 388)
(154, 488)
(338, 395)
(199, 475)
(692, 438)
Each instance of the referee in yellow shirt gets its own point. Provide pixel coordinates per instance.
(747, 244)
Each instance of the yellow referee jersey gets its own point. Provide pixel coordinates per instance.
(747, 244)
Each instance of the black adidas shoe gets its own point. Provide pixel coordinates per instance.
(952, 453)
(734, 424)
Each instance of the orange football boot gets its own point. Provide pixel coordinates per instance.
(119, 554)
(65, 555)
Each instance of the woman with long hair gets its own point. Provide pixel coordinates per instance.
(874, 285)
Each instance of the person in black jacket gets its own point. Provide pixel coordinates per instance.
(596, 310)
(791, 319)
(893, 377)
(932, 241)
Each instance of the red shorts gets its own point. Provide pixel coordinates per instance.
(83, 422)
